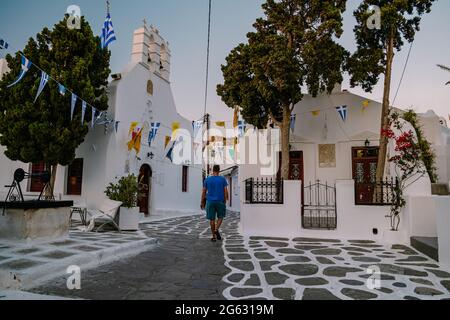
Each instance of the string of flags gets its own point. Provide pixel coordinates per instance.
(293, 120)
(26, 65)
(154, 127)
(342, 110)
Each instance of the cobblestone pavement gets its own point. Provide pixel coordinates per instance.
(22, 265)
(186, 265)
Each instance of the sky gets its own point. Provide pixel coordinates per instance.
(184, 24)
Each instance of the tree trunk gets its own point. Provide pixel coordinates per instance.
(49, 192)
(285, 143)
(385, 109)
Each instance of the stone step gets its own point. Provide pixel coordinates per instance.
(427, 246)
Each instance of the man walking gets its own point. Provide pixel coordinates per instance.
(214, 199)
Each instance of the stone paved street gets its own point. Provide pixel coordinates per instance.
(186, 265)
(23, 265)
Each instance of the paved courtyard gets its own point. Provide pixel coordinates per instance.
(23, 265)
(186, 265)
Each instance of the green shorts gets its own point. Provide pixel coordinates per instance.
(215, 210)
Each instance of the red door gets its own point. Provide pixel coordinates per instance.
(365, 162)
(296, 168)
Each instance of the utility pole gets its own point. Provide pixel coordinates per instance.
(208, 126)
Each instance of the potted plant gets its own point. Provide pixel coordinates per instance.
(126, 191)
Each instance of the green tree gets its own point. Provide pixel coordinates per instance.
(376, 47)
(427, 154)
(446, 69)
(43, 131)
(292, 47)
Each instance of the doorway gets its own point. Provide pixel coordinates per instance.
(144, 187)
(365, 163)
(296, 167)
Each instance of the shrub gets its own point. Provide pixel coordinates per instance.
(125, 191)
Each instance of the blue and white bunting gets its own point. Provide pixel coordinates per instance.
(242, 126)
(198, 125)
(108, 34)
(72, 107)
(293, 120)
(153, 132)
(42, 84)
(26, 65)
(342, 110)
(62, 89)
(170, 152)
(94, 111)
(83, 111)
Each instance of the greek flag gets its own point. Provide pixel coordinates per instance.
(72, 107)
(198, 125)
(83, 111)
(42, 84)
(108, 34)
(242, 126)
(62, 89)
(26, 65)
(3, 44)
(342, 110)
(153, 132)
(94, 112)
(293, 120)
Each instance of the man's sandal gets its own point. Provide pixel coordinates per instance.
(213, 240)
(219, 237)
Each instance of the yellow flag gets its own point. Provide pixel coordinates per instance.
(175, 126)
(167, 141)
(132, 127)
(220, 124)
(236, 118)
(135, 142)
(315, 113)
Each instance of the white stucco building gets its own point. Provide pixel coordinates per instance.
(332, 171)
(140, 93)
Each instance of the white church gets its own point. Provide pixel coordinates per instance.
(141, 93)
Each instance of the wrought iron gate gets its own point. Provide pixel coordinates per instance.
(319, 206)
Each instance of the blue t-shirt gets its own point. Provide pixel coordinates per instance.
(215, 186)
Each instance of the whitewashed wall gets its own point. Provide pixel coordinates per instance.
(353, 222)
(105, 155)
(443, 223)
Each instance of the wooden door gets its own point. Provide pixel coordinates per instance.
(365, 161)
(144, 189)
(296, 168)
